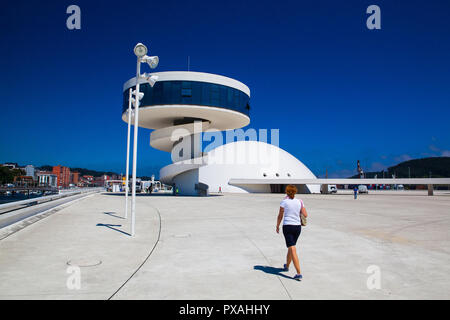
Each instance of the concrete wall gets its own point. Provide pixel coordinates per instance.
(186, 182)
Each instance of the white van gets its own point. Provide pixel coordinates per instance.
(362, 189)
(332, 188)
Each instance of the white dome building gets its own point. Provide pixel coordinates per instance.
(181, 106)
(239, 160)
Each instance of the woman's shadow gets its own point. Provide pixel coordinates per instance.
(272, 270)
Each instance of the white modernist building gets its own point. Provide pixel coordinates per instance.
(183, 107)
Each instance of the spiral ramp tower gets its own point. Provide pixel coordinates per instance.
(178, 102)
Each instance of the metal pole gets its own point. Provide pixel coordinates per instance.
(128, 154)
(136, 121)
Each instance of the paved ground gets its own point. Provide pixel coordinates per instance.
(34, 261)
(225, 247)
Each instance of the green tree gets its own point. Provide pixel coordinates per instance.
(7, 175)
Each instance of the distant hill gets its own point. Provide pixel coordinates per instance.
(82, 171)
(439, 167)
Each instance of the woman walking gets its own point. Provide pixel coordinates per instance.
(291, 209)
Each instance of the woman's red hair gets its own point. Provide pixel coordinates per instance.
(291, 190)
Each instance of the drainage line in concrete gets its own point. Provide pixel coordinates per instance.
(262, 253)
(132, 275)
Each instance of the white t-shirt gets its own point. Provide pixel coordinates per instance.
(292, 209)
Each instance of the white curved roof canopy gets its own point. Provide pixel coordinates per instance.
(158, 117)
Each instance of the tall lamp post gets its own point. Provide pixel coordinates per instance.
(127, 183)
(140, 51)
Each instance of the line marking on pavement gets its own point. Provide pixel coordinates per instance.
(140, 266)
(262, 253)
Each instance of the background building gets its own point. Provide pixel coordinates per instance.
(74, 177)
(10, 165)
(29, 171)
(47, 179)
(63, 175)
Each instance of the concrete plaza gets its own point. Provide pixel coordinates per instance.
(225, 247)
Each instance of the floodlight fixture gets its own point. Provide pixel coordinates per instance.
(140, 94)
(151, 79)
(151, 61)
(140, 50)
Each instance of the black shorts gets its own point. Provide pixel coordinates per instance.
(291, 234)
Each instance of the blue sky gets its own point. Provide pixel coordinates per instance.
(337, 91)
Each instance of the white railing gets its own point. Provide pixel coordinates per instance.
(38, 200)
